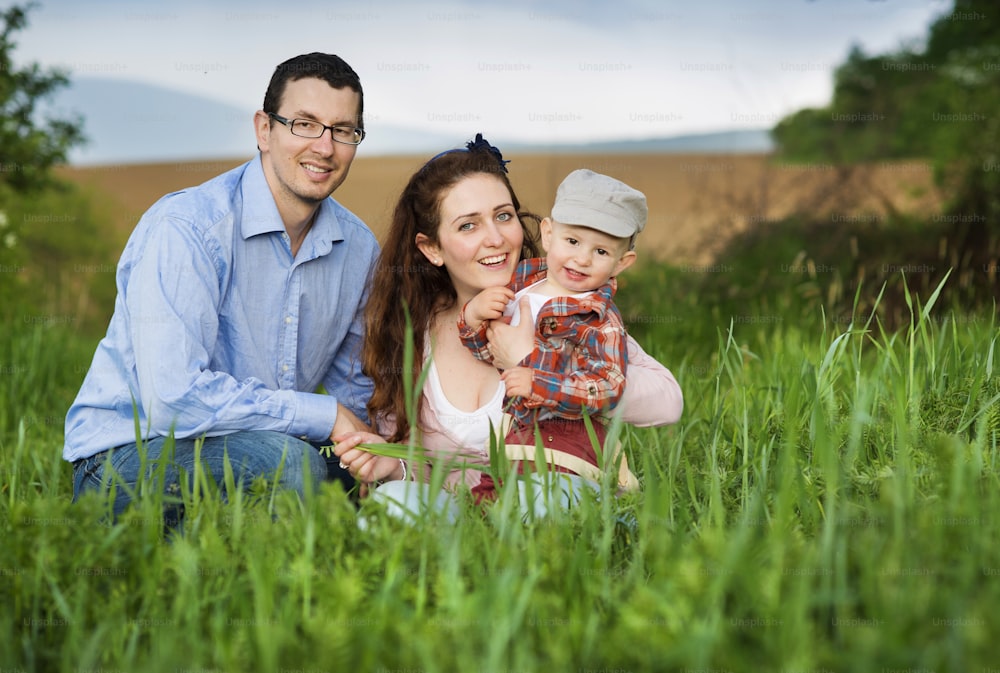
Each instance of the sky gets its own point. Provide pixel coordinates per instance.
(566, 71)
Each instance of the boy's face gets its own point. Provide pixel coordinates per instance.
(582, 259)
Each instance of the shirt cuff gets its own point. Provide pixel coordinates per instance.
(463, 327)
(314, 416)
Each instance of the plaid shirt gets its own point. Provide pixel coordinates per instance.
(579, 358)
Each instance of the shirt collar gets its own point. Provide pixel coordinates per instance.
(260, 213)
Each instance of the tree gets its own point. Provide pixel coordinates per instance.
(939, 102)
(45, 266)
(31, 143)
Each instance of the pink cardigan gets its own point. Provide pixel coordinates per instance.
(652, 398)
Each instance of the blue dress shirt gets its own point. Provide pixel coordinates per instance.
(217, 328)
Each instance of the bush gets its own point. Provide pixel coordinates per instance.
(56, 263)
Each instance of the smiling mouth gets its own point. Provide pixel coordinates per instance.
(313, 168)
(495, 260)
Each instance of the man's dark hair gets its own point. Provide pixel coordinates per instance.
(330, 68)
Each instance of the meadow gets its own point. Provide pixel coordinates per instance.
(826, 503)
(696, 202)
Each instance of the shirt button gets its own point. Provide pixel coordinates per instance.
(288, 319)
(284, 368)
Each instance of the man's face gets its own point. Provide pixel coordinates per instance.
(304, 171)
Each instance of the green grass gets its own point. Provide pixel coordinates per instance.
(827, 502)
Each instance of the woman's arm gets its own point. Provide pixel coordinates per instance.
(652, 396)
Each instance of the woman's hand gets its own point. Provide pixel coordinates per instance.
(347, 422)
(509, 345)
(364, 466)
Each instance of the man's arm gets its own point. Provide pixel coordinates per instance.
(173, 301)
(345, 380)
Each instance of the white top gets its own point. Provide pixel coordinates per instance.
(537, 299)
(470, 429)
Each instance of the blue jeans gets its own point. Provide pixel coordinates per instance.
(250, 454)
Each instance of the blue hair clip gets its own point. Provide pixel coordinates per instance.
(476, 145)
(481, 143)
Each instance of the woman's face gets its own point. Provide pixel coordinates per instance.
(479, 235)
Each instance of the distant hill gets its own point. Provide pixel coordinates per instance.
(752, 141)
(130, 122)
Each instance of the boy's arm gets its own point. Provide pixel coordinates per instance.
(489, 305)
(475, 316)
(474, 339)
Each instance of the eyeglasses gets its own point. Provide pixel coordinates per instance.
(308, 128)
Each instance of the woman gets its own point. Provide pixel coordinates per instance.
(457, 229)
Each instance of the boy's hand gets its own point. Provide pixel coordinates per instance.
(487, 305)
(517, 381)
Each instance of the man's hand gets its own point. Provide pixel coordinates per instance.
(518, 381)
(487, 305)
(509, 345)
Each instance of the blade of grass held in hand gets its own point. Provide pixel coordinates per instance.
(387, 449)
(407, 452)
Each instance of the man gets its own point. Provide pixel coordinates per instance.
(237, 301)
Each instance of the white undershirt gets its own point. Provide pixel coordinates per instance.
(537, 299)
(471, 429)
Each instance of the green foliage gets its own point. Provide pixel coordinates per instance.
(825, 503)
(57, 266)
(54, 262)
(779, 270)
(41, 369)
(809, 135)
(937, 102)
(30, 143)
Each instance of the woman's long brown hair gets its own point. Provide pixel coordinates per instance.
(403, 279)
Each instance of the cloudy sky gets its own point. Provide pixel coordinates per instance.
(553, 72)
